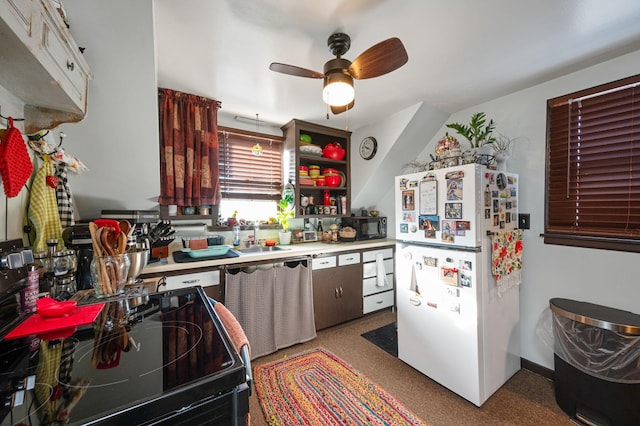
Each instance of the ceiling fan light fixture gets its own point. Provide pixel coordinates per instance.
(338, 89)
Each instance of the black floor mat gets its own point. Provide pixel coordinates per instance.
(386, 338)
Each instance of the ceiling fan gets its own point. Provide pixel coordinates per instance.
(338, 92)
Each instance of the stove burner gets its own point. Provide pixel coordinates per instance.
(142, 352)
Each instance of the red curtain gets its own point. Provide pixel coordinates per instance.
(188, 149)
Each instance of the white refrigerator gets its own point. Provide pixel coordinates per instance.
(454, 325)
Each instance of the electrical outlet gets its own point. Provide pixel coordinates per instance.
(524, 221)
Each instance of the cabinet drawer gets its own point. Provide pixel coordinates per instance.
(369, 285)
(377, 301)
(370, 256)
(370, 269)
(203, 279)
(348, 259)
(323, 262)
(18, 14)
(66, 68)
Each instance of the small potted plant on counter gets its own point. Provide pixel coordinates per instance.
(284, 215)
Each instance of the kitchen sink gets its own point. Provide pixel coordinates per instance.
(261, 249)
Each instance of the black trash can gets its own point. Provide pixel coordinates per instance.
(597, 362)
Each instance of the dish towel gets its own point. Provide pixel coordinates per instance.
(381, 274)
(506, 259)
(43, 209)
(64, 197)
(413, 286)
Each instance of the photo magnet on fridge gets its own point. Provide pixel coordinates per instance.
(463, 225)
(453, 210)
(408, 200)
(454, 189)
(449, 275)
(408, 217)
(448, 231)
(431, 261)
(429, 222)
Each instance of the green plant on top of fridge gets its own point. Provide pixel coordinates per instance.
(478, 132)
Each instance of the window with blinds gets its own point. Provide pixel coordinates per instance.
(593, 167)
(243, 173)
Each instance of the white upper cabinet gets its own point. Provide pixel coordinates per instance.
(41, 64)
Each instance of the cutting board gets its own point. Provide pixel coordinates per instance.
(37, 324)
(180, 257)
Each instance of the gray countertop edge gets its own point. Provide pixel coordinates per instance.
(303, 249)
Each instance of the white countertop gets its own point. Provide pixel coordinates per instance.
(294, 250)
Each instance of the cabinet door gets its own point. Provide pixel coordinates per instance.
(325, 297)
(349, 283)
(337, 295)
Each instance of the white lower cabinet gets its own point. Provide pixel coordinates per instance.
(377, 293)
(209, 281)
(203, 279)
(378, 301)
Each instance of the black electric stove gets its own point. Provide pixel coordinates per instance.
(160, 359)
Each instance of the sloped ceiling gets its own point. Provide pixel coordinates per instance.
(461, 52)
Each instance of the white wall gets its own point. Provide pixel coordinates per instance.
(401, 135)
(598, 276)
(118, 140)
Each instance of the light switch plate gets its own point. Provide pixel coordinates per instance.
(524, 221)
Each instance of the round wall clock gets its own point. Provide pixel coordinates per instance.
(368, 147)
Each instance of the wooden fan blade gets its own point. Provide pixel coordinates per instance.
(379, 59)
(340, 109)
(293, 70)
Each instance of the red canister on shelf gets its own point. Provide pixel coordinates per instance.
(327, 198)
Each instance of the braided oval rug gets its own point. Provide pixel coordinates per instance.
(318, 388)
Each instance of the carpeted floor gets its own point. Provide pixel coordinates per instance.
(526, 399)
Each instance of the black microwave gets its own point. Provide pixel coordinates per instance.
(367, 227)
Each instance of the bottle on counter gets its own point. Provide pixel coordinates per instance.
(29, 294)
(236, 236)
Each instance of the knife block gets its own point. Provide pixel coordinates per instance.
(160, 252)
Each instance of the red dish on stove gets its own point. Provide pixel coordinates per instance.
(51, 308)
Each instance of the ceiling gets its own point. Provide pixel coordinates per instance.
(461, 52)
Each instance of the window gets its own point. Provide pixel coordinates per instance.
(249, 183)
(593, 167)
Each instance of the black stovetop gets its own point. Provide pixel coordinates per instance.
(136, 362)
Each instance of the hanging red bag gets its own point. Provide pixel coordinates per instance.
(15, 163)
